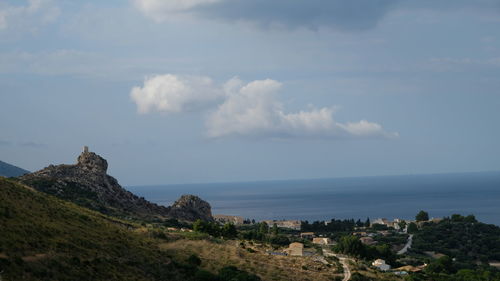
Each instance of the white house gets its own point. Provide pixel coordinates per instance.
(381, 265)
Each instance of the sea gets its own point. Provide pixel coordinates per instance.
(345, 198)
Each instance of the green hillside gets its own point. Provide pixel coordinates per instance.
(8, 170)
(45, 238)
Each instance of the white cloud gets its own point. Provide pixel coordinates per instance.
(29, 16)
(247, 110)
(252, 110)
(172, 93)
(160, 10)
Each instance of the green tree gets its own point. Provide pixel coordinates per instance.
(350, 245)
(199, 225)
(443, 264)
(263, 228)
(367, 222)
(422, 216)
(412, 227)
(275, 229)
(402, 224)
(229, 230)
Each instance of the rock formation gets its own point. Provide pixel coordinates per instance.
(86, 183)
(191, 208)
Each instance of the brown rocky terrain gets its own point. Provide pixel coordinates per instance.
(86, 183)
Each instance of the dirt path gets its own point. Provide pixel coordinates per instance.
(343, 260)
(347, 271)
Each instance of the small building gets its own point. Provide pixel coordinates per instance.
(307, 235)
(381, 265)
(290, 224)
(322, 241)
(295, 249)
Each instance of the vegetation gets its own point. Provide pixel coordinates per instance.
(445, 269)
(46, 238)
(350, 245)
(422, 216)
(260, 232)
(228, 230)
(459, 237)
(335, 228)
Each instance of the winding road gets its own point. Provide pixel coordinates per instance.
(407, 246)
(347, 271)
(343, 260)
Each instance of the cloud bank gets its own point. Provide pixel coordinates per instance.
(246, 110)
(352, 15)
(339, 14)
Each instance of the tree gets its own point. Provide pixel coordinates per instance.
(412, 227)
(443, 264)
(402, 224)
(263, 228)
(422, 216)
(275, 229)
(367, 222)
(351, 245)
(229, 230)
(198, 225)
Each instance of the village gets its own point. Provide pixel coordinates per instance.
(320, 246)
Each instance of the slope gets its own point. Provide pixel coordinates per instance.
(8, 170)
(45, 238)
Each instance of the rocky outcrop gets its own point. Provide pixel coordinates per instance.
(86, 183)
(191, 208)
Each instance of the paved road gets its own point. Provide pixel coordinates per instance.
(407, 246)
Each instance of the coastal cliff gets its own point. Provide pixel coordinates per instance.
(87, 183)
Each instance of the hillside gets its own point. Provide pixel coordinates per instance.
(45, 238)
(87, 184)
(8, 170)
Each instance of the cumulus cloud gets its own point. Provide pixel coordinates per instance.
(252, 110)
(245, 109)
(172, 93)
(29, 16)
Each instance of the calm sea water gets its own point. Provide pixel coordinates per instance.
(323, 199)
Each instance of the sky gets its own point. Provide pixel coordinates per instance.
(193, 91)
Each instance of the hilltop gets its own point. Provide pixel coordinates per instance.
(87, 184)
(8, 170)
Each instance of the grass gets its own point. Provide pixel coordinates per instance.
(224, 253)
(46, 238)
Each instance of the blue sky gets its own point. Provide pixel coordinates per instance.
(185, 91)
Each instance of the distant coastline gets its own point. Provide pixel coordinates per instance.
(351, 197)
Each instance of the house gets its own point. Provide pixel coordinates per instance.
(290, 224)
(307, 235)
(295, 249)
(322, 241)
(381, 265)
(382, 221)
(367, 240)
